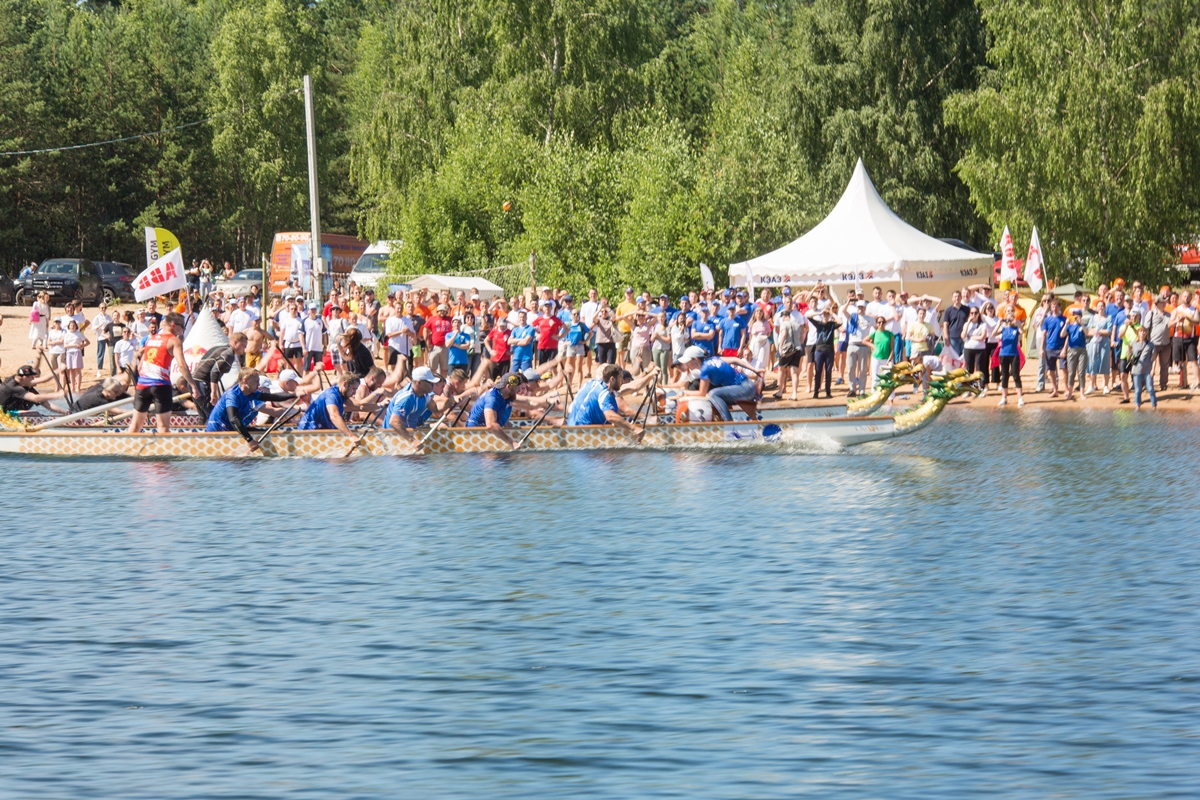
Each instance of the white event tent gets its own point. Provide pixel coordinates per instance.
(864, 242)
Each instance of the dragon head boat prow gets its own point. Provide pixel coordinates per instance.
(898, 375)
(943, 387)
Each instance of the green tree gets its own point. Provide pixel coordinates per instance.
(1085, 125)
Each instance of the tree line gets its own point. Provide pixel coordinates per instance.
(622, 140)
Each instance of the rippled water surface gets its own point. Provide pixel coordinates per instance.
(1003, 605)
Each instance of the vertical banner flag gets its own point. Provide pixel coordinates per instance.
(1008, 263)
(1033, 263)
(159, 242)
(162, 276)
(749, 281)
(706, 277)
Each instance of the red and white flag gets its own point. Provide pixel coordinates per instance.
(1008, 262)
(164, 275)
(1033, 263)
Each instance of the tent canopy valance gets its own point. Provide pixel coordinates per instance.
(862, 241)
(454, 283)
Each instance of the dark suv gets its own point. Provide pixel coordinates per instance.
(118, 281)
(64, 279)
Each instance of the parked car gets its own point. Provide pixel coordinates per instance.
(64, 279)
(8, 290)
(118, 281)
(240, 283)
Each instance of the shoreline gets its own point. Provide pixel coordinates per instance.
(15, 351)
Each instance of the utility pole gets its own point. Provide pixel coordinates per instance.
(314, 202)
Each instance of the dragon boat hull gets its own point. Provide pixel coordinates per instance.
(113, 443)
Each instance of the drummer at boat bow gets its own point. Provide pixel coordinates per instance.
(154, 376)
(723, 380)
(598, 402)
(236, 405)
(329, 408)
(410, 407)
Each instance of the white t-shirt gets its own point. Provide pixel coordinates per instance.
(125, 350)
(100, 322)
(400, 333)
(894, 318)
(240, 320)
(588, 311)
(289, 331)
(313, 329)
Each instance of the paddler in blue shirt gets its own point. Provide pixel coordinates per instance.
(495, 406)
(238, 404)
(410, 407)
(722, 380)
(328, 409)
(598, 402)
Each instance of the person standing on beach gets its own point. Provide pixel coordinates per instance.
(1076, 342)
(1141, 367)
(1127, 335)
(1157, 322)
(1010, 359)
(1052, 328)
(1099, 346)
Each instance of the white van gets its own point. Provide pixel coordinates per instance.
(372, 266)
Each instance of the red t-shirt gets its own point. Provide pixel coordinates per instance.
(498, 339)
(547, 328)
(438, 327)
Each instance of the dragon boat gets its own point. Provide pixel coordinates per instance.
(110, 442)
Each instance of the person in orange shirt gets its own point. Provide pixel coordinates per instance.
(1010, 303)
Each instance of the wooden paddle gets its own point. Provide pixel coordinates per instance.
(67, 393)
(435, 425)
(367, 428)
(278, 421)
(533, 427)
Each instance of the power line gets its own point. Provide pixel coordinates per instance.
(128, 138)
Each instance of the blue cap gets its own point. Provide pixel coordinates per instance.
(726, 292)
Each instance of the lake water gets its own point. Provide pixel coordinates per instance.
(1003, 605)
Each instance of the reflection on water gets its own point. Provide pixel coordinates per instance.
(1003, 603)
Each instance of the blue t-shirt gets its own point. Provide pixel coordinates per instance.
(718, 373)
(1010, 337)
(1053, 326)
(412, 408)
(1118, 319)
(577, 333)
(730, 333)
(490, 399)
(457, 355)
(235, 398)
(590, 404)
(317, 417)
(522, 352)
(707, 345)
(1076, 335)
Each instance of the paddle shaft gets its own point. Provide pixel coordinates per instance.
(533, 427)
(278, 421)
(367, 428)
(441, 419)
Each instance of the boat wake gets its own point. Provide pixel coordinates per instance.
(788, 442)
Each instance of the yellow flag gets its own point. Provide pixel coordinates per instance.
(159, 242)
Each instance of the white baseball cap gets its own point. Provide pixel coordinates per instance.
(425, 374)
(690, 354)
(288, 375)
